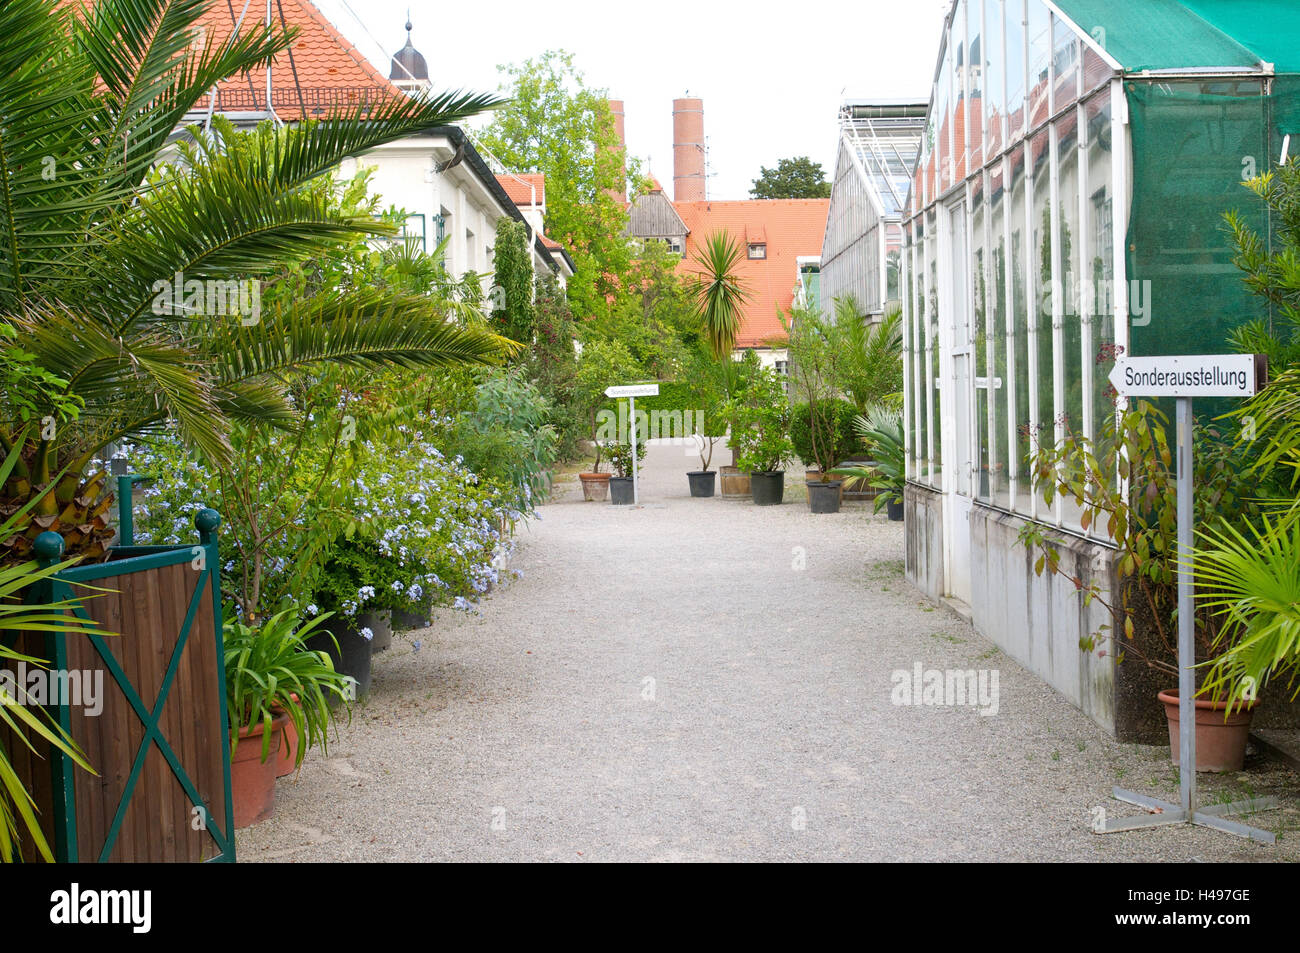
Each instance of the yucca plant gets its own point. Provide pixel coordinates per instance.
(96, 228)
(720, 294)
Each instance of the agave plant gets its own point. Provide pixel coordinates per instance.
(102, 212)
(881, 430)
(719, 293)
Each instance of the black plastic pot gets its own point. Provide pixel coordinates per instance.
(380, 625)
(702, 482)
(824, 497)
(620, 491)
(767, 488)
(894, 509)
(351, 656)
(405, 620)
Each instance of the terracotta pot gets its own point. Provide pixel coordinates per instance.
(252, 780)
(1220, 744)
(288, 747)
(595, 487)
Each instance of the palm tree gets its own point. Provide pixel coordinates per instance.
(871, 363)
(94, 221)
(719, 293)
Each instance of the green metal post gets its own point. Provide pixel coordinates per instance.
(49, 550)
(125, 514)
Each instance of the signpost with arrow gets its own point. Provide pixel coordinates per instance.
(632, 392)
(1185, 377)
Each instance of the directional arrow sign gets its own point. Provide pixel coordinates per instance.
(633, 390)
(1187, 375)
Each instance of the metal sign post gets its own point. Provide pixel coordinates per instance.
(632, 392)
(1185, 377)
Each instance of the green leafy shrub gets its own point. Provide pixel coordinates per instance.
(835, 426)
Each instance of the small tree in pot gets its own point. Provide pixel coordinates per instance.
(760, 434)
(602, 364)
(620, 461)
(708, 382)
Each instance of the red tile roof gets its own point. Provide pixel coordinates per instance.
(789, 227)
(519, 192)
(331, 72)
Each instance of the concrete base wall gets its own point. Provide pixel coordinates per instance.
(923, 529)
(1040, 620)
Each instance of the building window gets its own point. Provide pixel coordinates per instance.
(674, 245)
(414, 227)
(783, 368)
(757, 250)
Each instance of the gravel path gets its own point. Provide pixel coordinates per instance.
(664, 683)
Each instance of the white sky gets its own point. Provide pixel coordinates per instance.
(771, 75)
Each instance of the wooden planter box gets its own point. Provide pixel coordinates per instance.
(160, 744)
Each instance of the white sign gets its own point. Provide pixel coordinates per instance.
(633, 390)
(1187, 375)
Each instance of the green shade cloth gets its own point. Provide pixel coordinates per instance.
(1192, 34)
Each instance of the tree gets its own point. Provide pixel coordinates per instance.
(107, 253)
(720, 294)
(513, 282)
(798, 178)
(555, 125)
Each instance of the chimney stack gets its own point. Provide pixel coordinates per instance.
(616, 109)
(688, 150)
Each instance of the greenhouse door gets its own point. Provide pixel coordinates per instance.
(957, 468)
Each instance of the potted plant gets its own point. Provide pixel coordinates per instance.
(707, 391)
(274, 682)
(602, 364)
(1139, 512)
(760, 421)
(881, 430)
(620, 460)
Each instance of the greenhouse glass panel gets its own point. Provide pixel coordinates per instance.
(944, 121)
(1065, 63)
(1043, 372)
(1014, 13)
(1068, 289)
(1020, 310)
(980, 331)
(974, 86)
(1039, 32)
(932, 339)
(992, 61)
(1100, 254)
(1096, 71)
(999, 378)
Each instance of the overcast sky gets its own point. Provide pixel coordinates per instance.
(772, 76)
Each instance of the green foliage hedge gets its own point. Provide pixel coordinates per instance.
(846, 441)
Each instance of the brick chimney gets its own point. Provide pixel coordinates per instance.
(688, 150)
(616, 109)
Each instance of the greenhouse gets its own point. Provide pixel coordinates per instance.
(1068, 206)
(878, 147)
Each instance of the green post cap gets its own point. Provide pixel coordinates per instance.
(48, 547)
(207, 520)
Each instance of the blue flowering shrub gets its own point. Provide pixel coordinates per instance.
(326, 523)
(425, 530)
